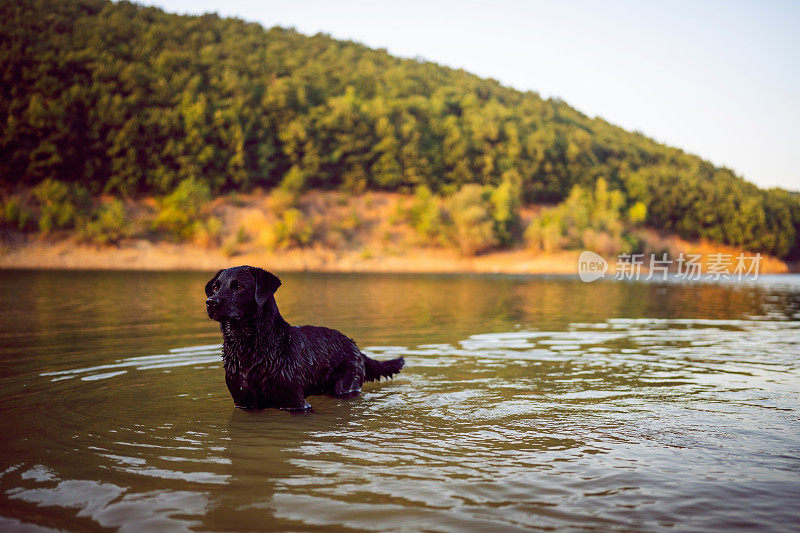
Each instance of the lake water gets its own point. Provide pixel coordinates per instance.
(526, 403)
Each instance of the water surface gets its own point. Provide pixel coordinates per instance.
(526, 403)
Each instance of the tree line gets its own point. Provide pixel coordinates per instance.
(121, 99)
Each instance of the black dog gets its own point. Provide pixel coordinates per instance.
(269, 363)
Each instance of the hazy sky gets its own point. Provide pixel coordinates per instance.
(719, 79)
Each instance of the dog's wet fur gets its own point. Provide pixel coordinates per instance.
(269, 363)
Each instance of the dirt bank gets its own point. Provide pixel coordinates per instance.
(361, 233)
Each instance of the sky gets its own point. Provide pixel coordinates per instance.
(720, 79)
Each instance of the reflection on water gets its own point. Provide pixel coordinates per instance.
(525, 403)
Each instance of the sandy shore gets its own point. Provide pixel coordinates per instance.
(144, 255)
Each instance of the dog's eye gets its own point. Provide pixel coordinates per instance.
(216, 286)
(236, 286)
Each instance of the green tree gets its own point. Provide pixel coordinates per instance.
(126, 99)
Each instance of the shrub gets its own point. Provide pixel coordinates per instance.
(351, 222)
(282, 199)
(241, 235)
(108, 224)
(207, 232)
(294, 181)
(590, 220)
(545, 233)
(230, 246)
(474, 218)
(180, 210)
(471, 215)
(57, 205)
(290, 230)
(425, 214)
(15, 214)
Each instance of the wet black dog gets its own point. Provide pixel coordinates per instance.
(269, 363)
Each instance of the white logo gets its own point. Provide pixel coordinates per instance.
(591, 266)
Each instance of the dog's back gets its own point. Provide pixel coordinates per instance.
(271, 363)
(338, 356)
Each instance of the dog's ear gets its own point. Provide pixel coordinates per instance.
(266, 284)
(210, 283)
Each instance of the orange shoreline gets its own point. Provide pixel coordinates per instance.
(145, 255)
(378, 243)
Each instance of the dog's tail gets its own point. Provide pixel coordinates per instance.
(375, 370)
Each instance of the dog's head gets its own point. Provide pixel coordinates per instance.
(239, 292)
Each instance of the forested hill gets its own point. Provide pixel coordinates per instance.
(123, 99)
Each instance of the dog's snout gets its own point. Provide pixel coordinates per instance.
(212, 302)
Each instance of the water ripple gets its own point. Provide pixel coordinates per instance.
(662, 418)
(177, 357)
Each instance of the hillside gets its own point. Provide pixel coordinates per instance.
(123, 100)
(336, 232)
